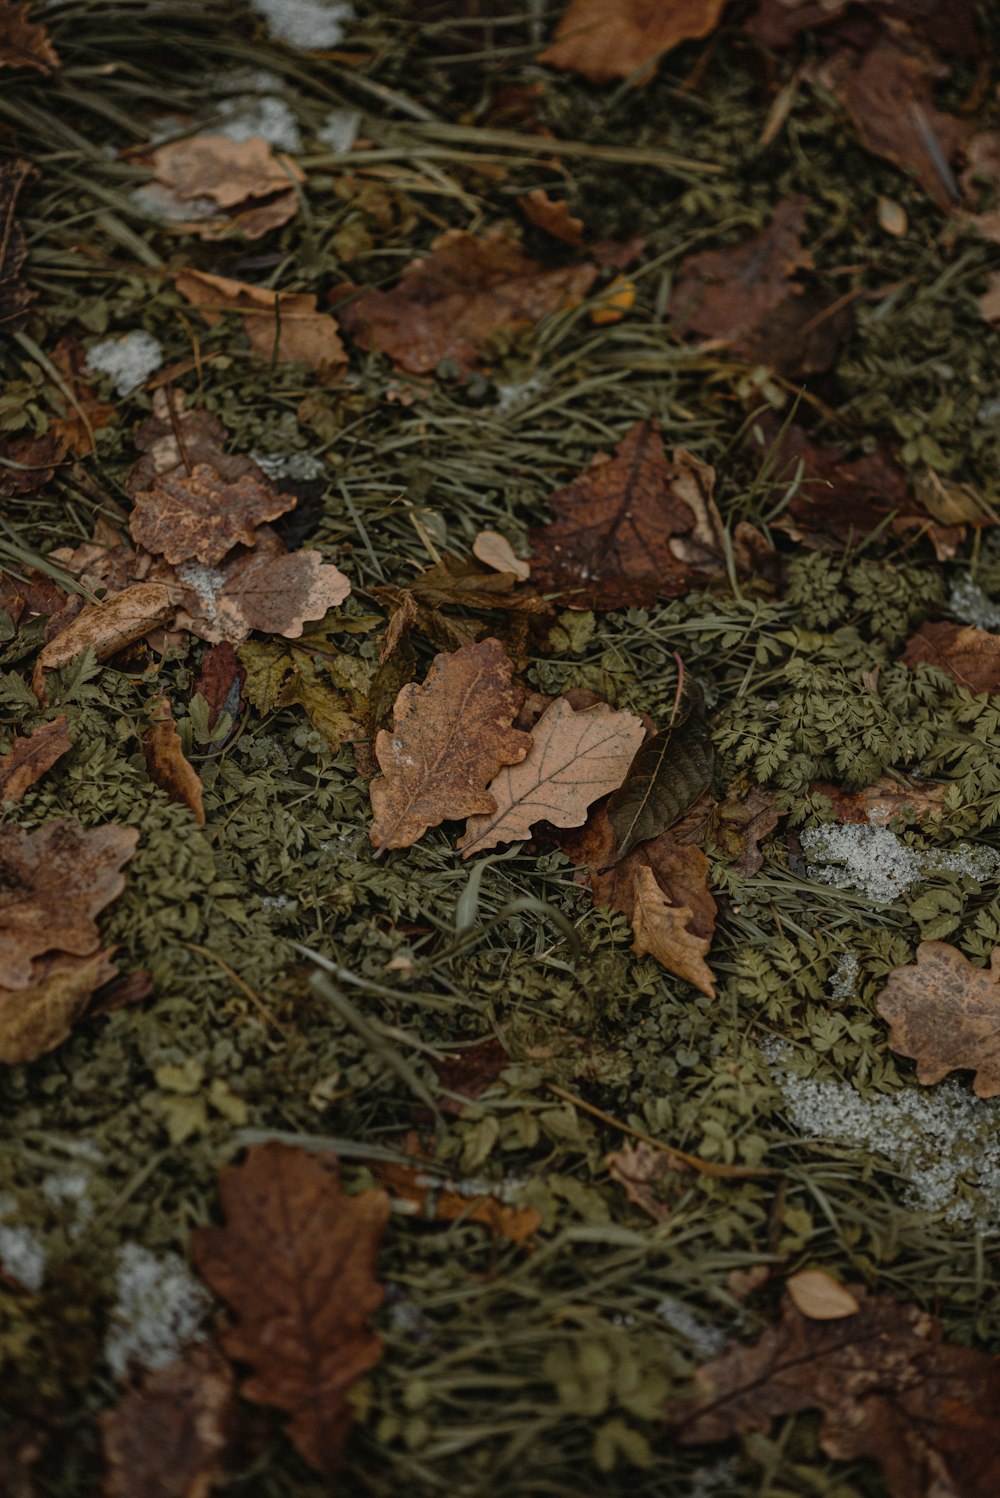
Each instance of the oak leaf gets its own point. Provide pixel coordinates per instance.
(666, 777)
(886, 1384)
(24, 43)
(166, 763)
(603, 41)
(29, 758)
(574, 758)
(449, 302)
(294, 1262)
(945, 1013)
(202, 515)
(970, 656)
(166, 1438)
(662, 929)
(14, 294)
(252, 188)
(53, 882)
(420, 1185)
(267, 589)
(36, 1018)
(740, 824)
(281, 325)
(106, 627)
(176, 438)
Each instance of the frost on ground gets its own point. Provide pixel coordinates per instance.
(129, 360)
(22, 1254)
(943, 1141)
(879, 865)
(158, 1311)
(969, 603)
(844, 978)
(246, 116)
(305, 23)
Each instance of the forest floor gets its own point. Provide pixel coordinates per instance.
(553, 1271)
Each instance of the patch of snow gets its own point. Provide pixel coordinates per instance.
(880, 866)
(70, 1188)
(305, 23)
(844, 978)
(22, 1253)
(972, 605)
(339, 130)
(706, 1339)
(154, 198)
(516, 392)
(289, 465)
(989, 410)
(158, 1311)
(247, 115)
(129, 360)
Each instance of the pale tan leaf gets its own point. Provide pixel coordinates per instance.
(663, 930)
(820, 1297)
(228, 171)
(108, 627)
(495, 551)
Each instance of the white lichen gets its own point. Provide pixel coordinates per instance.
(516, 392)
(158, 1311)
(22, 1253)
(291, 465)
(69, 1190)
(706, 1340)
(879, 865)
(207, 583)
(972, 605)
(339, 130)
(844, 978)
(129, 360)
(305, 23)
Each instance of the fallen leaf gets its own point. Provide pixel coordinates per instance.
(30, 596)
(251, 186)
(30, 462)
(820, 1297)
(294, 1262)
(38, 1016)
(86, 413)
(740, 824)
(282, 326)
(267, 589)
(888, 1387)
(609, 542)
(551, 217)
(884, 801)
(166, 1438)
(451, 736)
(970, 656)
(176, 438)
(612, 303)
(496, 552)
(29, 758)
(574, 758)
(24, 43)
(202, 515)
(438, 1198)
(449, 302)
(53, 882)
(14, 294)
(663, 929)
(469, 1072)
(638, 1167)
(166, 764)
(944, 1013)
(220, 681)
(607, 39)
(107, 627)
(949, 24)
(666, 777)
(329, 712)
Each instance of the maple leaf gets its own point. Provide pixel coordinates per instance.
(14, 293)
(449, 302)
(294, 1263)
(415, 1183)
(280, 325)
(609, 543)
(39, 1016)
(451, 736)
(29, 758)
(166, 764)
(166, 1438)
(106, 627)
(970, 656)
(603, 41)
(574, 758)
(668, 774)
(202, 514)
(945, 1013)
(24, 43)
(53, 882)
(888, 1388)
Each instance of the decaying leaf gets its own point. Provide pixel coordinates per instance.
(220, 682)
(86, 413)
(888, 1388)
(29, 758)
(552, 217)
(638, 1167)
(166, 763)
(496, 552)
(970, 656)
(609, 543)
(53, 882)
(423, 1186)
(176, 438)
(14, 294)
(884, 801)
(251, 187)
(945, 1013)
(107, 627)
(449, 302)
(201, 515)
(166, 1438)
(294, 1262)
(820, 1297)
(282, 326)
(24, 43)
(740, 824)
(37, 1017)
(451, 737)
(607, 39)
(469, 1072)
(574, 758)
(663, 929)
(668, 774)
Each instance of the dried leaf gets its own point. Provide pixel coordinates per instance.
(24, 43)
(202, 514)
(662, 929)
(945, 1014)
(228, 171)
(667, 776)
(75, 428)
(469, 1072)
(551, 217)
(14, 294)
(108, 627)
(30, 462)
(166, 1438)
(609, 543)
(638, 1167)
(175, 438)
(53, 882)
(29, 758)
(220, 682)
(883, 802)
(496, 552)
(448, 303)
(574, 759)
(36, 1018)
(419, 1184)
(282, 326)
(888, 1388)
(329, 712)
(294, 1262)
(740, 825)
(166, 764)
(820, 1297)
(607, 39)
(970, 656)
(451, 736)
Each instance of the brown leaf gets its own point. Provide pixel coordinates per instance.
(281, 325)
(945, 1014)
(165, 762)
(820, 1297)
(496, 552)
(451, 736)
(469, 1072)
(740, 825)
(24, 43)
(202, 515)
(883, 802)
(663, 929)
(14, 293)
(38, 1016)
(294, 1262)
(166, 1438)
(551, 217)
(108, 627)
(29, 758)
(53, 882)
(666, 777)
(228, 171)
(268, 589)
(609, 543)
(638, 1167)
(448, 303)
(949, 24)
(75, 428)
(30, 461)
(888, 1388)
(175, 438)
(220, 682)
(573, 759)
(421, 1185)
(970, 656)
(607, 39)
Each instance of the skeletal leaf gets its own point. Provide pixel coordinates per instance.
(166, 763)
(29, 758)
(666, 777)
(574, 759)
(662, 929)
(945, 1013)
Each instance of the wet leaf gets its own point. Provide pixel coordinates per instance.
(29, 758)
(820, 1297)
(202, 516)
(106, 628)
(668, 774)
(24, 43)
(607, 39)
(37, 1017)
(220, 681)
(945, 1014)
(451, 736)
(282, 326)
(442, 1201)
(166, 763)
(574, 758)
(970, 656)
(295, 1263)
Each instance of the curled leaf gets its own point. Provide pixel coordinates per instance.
(107, 627)
(166, 763)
